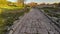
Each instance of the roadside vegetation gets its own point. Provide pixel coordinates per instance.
(53, 12)
(8, 16)
(10, 12)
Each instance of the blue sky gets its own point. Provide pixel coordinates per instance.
(39, 1)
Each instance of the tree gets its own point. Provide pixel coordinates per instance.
(42, 4)
(58, 4)
(3, 1)
(20, 2)
(32, 4)
(11, 3)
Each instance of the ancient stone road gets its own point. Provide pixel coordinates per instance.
(35, 22)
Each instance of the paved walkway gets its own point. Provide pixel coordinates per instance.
(35, 22)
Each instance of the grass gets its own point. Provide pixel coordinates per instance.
(53, 12)
(8, 16)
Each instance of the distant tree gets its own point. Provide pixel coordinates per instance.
(55, 4)
(48, 4)
(21, 2)
(42, 4)
(58, 4)
(11, 4)
(32, 4)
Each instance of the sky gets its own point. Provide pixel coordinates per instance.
(39, 1)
